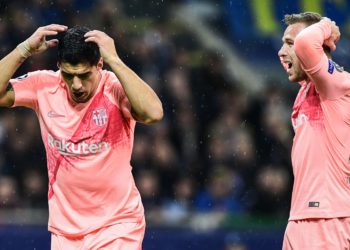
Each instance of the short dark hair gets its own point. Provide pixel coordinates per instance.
(73, 49)
(307, 18)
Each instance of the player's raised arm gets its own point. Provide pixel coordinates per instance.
(36, 43)
(313, 46)
(310, 42)
(145, 104)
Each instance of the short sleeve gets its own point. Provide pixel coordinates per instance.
(25, 90)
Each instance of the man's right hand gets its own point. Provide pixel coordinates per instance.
(37, 42)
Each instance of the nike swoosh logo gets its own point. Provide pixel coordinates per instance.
(52, 114)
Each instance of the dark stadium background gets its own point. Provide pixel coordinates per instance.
(215, 173)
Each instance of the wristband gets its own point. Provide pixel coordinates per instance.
(24, 49)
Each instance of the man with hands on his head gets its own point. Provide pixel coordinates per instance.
(320, 210)
(87, 118)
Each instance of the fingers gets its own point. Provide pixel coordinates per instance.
(326, 19)
(335, 34)
(94, 35)
(48, 33)
(331, 22)
(90, 36)
(331, 44)
(105, 44)
(336, 40)
(91, 39)
(52, 43)
(54, 27)
(51, 29)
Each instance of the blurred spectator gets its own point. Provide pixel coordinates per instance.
(148, 184)
(273, 190)
(9, 197)
(177, 209)
(164, 158)
(182, 112)
(222, 194)
(34, 188)
(275, 129)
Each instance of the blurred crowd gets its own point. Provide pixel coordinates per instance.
(218, 148)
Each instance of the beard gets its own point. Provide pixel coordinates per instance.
(297, 74)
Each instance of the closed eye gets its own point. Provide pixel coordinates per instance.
(84, 75)
(66, 75)
(289, 42)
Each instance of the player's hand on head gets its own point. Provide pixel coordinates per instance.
(105, 44)
(335, 34)
(38, 43)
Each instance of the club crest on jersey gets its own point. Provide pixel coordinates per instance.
(100, 116)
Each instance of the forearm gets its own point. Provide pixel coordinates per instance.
(8, 66)
(145, 104)
(309, 44)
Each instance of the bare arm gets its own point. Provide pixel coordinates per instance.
(8, 66)
(145, 104)
(10, 63)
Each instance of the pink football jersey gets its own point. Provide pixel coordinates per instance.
(88, 148)
(321, 121)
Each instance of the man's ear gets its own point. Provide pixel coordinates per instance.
(58, 65)
(100, 63)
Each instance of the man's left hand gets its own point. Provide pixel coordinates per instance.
(105, 44)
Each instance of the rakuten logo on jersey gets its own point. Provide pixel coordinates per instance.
(76, 149)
